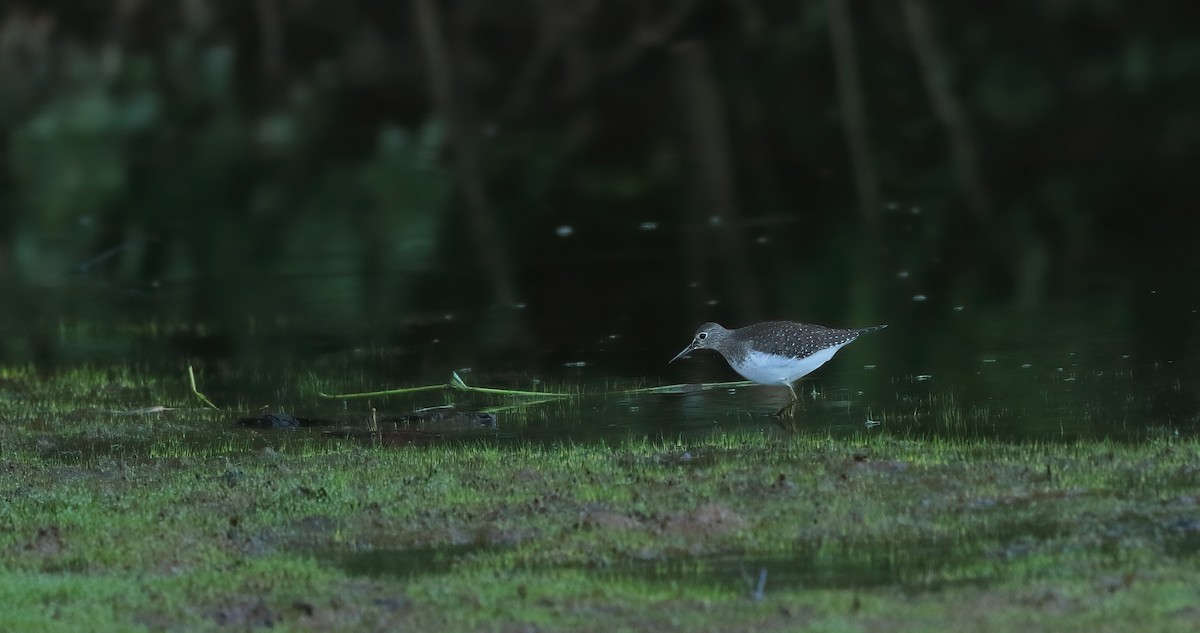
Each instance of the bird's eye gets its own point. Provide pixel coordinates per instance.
(701, 336)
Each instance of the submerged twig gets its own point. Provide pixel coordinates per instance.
(689, 387)
(203, 398)
(456, 382)
(520, 405)
(386, 392)
(145, 410)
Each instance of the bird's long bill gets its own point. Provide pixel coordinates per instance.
(691, 346)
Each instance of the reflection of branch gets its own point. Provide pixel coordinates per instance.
(845, 61)
(558, 39)
(26, 58)
(947, 106)
(649, 35)
(464, 139)
(272, 38)
(558, 26)
(704, 110)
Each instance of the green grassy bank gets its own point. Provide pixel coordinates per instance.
(117, 521)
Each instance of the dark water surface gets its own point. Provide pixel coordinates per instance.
(1057, 370)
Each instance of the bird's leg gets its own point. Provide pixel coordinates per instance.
(790, 409)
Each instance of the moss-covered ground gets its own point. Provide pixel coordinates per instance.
(176, 520)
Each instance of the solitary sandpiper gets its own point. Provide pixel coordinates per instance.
(774, 352)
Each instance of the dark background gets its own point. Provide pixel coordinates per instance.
(542, 182)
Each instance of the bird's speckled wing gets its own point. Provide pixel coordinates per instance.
(796, 340)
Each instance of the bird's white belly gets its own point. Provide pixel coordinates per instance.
(778, 370)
